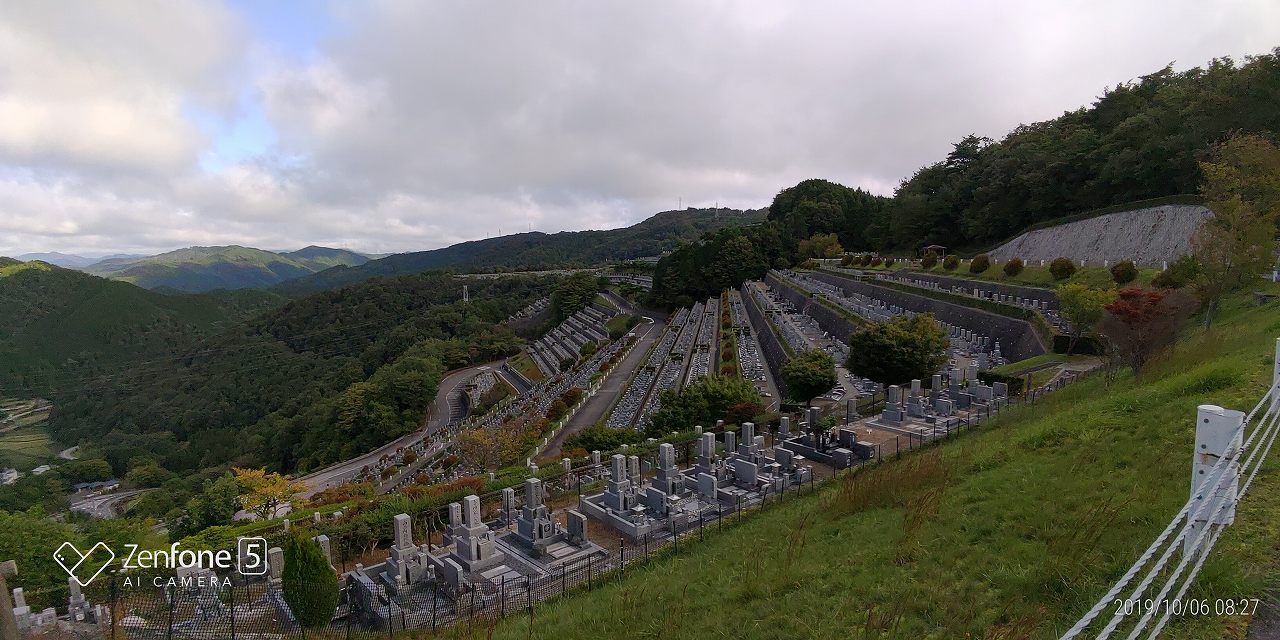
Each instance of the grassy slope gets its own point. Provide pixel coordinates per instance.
(1031, 276)
(1034, 518)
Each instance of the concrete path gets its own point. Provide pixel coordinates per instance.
(613, 384)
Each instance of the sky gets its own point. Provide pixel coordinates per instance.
(141, 126)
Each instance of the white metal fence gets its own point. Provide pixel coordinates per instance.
(1230, 448)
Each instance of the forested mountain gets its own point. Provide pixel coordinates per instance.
(318, 380)
(536, 250)
(62, 327)
(59, 259)
(1137, 141)
(197, 269)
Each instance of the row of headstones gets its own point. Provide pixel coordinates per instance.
(78, 609)
(956, 396)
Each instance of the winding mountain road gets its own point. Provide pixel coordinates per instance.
(437, 418)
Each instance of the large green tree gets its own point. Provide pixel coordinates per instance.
(1242, 187)
(898, 350)
(703, 402)
(809, 374)
(1082, 306)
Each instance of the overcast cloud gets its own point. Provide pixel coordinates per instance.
(398, 126)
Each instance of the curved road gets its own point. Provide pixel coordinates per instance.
(437, 418)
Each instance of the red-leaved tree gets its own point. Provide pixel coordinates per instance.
(1141, 323)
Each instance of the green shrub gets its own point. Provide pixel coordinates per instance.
(980, 264)
(877, 261)
(1062, 268)
(866, 260)
(1178, 275)
(950, 263)
(929, 261)
(846, 261)
(888, 262)
(310, 584)
(1013, 267)
(1124, 272)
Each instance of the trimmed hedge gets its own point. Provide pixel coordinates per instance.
(1015, 383)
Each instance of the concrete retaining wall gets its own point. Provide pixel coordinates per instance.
(774, 355)
(1018, 339)
(990, 287)
(827, 318)
(1147, 236)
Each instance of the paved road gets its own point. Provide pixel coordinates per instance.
(104, 506)
(69, 453)
(437, 418)
(613, 384)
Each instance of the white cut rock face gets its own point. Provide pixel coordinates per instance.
(1146, 236)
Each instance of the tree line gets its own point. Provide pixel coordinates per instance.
(1139, 140)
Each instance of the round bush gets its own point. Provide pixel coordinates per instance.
(980, 264)
(866, 260)
(846, 261)
(888, 262)
(950, 263)
(877, 261)
(1013, 267)
(1124, 272)
(1062, 268)
(929, 261)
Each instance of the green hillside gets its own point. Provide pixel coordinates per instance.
(197, 269)
(1009, 532)
(316, 381)
(59, 326)
(532, 251)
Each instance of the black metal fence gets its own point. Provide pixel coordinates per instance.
(166, 606)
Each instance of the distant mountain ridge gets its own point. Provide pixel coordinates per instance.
(63, 326)
(64, 260)
(198, 269)
(536, 250)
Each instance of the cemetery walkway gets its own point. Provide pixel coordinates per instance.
(597, 406)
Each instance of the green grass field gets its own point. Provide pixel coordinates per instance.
(26, 447)
(1009, 532)
(523, 363)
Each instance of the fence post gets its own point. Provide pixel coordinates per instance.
(390, 632)
(502, 595)
(528, 594)
(115, 601)
(1219, 432)
(590, 570)
(233, 609)
(622, 554)
(173, 601)
(646, 546)
(1275, 380)
(435, 606)
(701, 523)
(675, 535)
